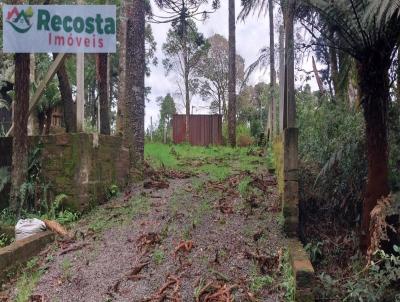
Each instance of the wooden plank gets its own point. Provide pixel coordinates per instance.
(42, 87)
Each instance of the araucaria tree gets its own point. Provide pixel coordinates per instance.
(213, 73)
(20, 132)
(183, 50)
(372, 44)
(120, 77)
(232, 75)
(180, 13)
(102, 82)
(133, 132)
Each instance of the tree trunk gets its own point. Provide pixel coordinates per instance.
(289, 42)
(186, 81)
(219, 103)
(102, 84)
(317, 77)
(187, 103)
(122, 72)
(42, 121)
(272, 64)
(373, 81)
(282, 104)
(69, 106)
(135, 90)
(232, 76)
(398, 78)
(20, 132)
(49, 114)
(224, 110)
(33, 122)
(334, 71)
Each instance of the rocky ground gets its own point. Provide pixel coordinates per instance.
(176, 237)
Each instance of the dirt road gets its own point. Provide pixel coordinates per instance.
(178, 239)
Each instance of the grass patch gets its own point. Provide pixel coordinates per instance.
(158, 256)
(217, 161)
(174, 204)
(66, 266)
(197, 184)
(27, 281)
(288, 282)
(199, 213)
(215, 172)
(160, 155)
(244, 187)
(257, 281)
(102, 218)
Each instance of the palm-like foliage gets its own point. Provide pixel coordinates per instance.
(356, 22)
(369, 30)
(384, 9)
(251, 6)
(263, 61)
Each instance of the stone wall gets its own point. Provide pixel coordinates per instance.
(18, 253)
(82, 166)
(286, 154)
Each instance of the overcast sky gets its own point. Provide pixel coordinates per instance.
(251, 36)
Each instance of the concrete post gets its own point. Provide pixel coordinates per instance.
(289, 44)
(290, 198)
(282, 104)
(80, 88)
(80, 91)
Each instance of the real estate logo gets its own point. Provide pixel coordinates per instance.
(20, 20)
(59, 28)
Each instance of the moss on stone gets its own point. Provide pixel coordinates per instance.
(278, 153)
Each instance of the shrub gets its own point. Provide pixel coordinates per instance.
(244, 141)
(332, 154)
(371, 283)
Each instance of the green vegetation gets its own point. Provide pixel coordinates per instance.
(200, 211)
(27, 281)
(66, 269)
(4, 240)
(257, 281)
(112, 191)
(158, 256)
(56, 212)
(244, 187)
(370, 283)
(288, 283)
(314, 249)
(102, 218)
(217, 161)
(260, 282)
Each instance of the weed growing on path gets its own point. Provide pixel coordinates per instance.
(158, 256)
(66, 266)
